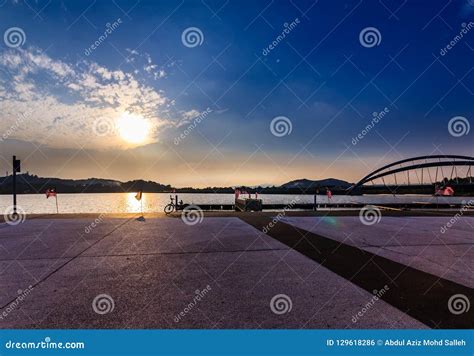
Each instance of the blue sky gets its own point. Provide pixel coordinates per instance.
(320, 75)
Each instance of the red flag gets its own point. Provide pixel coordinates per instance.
(139, 195)
(50, 193)
(329, 193)
(448, 191)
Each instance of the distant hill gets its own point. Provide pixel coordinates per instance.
(310, 184)
(31, 184)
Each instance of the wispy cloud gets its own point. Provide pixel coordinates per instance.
(65, 100)
(144, 62)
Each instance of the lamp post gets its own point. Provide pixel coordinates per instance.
(16, 168)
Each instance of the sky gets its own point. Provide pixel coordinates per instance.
(225, 93)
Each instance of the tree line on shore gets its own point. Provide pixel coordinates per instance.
(32, 184)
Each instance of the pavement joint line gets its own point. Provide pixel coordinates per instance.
(103, 259)
(148, 254)
(72, 259)
(36, 237)
(409, 297)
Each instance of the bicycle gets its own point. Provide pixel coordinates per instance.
(170, 207)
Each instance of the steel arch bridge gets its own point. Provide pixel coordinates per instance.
(423, 163)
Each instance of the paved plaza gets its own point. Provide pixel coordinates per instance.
(224, 272)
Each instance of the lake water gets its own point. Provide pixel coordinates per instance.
(155, 202)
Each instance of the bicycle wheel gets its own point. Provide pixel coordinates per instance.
(169, 209)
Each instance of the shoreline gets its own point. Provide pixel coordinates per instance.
(218, 214)
(322, 193)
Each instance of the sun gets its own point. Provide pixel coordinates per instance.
(133, 128)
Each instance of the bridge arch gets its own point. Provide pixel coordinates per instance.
(415, 163)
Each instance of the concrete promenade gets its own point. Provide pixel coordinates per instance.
(310, 270)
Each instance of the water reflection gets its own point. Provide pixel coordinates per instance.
(133, 205)
(155, 202)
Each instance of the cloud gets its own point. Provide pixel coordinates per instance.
(149, 67)
(58, 104)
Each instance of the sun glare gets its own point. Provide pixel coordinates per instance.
(133, 128)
